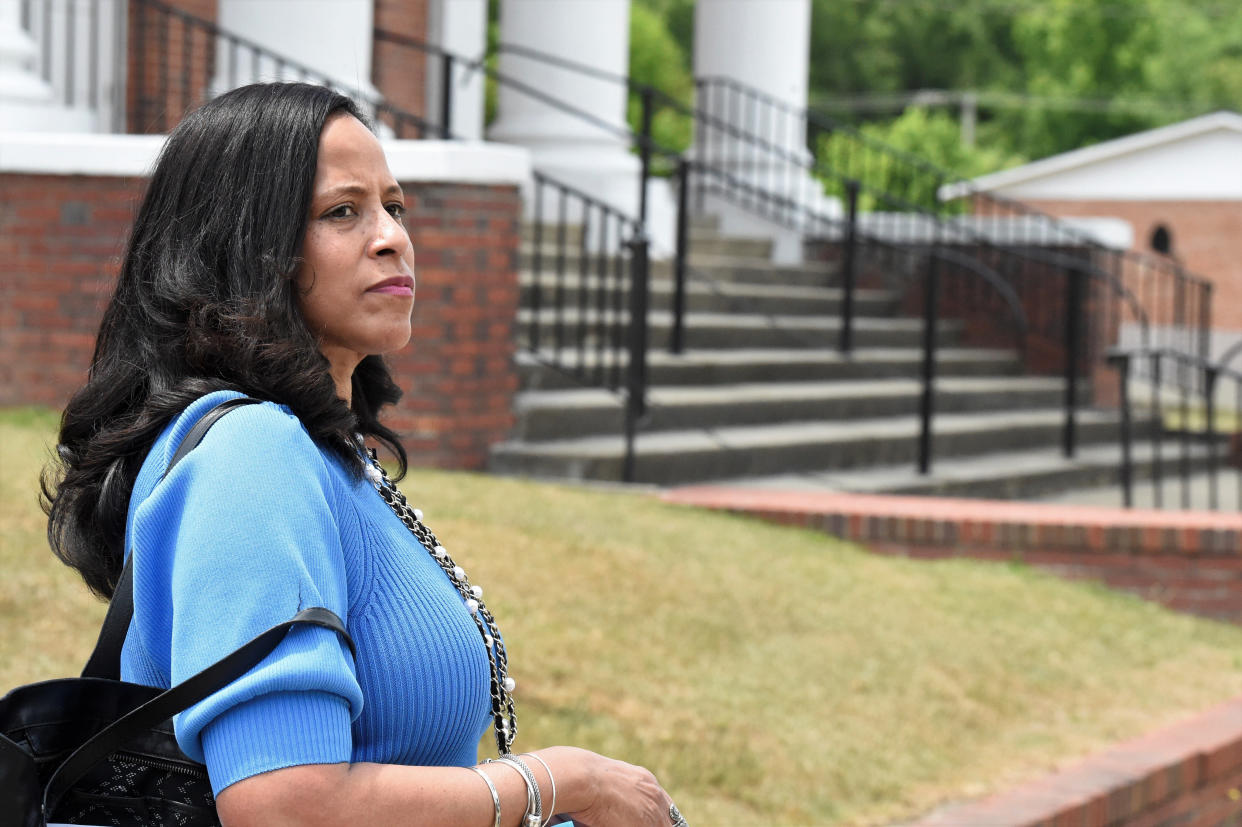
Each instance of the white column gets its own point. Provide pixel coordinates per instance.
(593, 32)
(27, 102)
(460, 27)
(332, 37)
(763, 45)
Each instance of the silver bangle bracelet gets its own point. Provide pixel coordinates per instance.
(534, 807)
(495, 795)
(551, 782)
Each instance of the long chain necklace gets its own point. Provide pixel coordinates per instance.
(504, 719)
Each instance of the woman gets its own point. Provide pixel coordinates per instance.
(269, 259)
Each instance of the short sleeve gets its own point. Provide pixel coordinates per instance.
(240, 536)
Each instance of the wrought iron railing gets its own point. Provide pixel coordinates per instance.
(1180, 410)
(755, 128)
(586, 317)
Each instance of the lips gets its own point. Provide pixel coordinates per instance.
(395, 286)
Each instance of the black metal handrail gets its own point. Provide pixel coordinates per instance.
(1192, 382)
(862, 155)
(602, 339)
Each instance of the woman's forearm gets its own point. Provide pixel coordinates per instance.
(389, 794)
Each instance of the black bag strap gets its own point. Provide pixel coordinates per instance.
(183, 695)
(105, 660)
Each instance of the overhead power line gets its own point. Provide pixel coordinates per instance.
(1015, 7)
(896, 101)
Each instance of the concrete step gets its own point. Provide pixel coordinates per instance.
(552, 415)
(1012, 475)
(711, 367)
(703, 238)
(549, 233)
(1173, 491)
(678, 457)
(713, 244)
(731, 330)
(715, 267)
(703, 295)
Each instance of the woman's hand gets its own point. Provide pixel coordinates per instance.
(602, 792)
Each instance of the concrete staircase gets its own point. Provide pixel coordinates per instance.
(761, 395)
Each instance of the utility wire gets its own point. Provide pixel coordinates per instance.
(1016, 7)
(896, 101)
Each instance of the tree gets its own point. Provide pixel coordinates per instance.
(658, 61)
(902, 163)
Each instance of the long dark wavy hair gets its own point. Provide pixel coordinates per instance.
(206, 301)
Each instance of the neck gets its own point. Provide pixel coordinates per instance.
(341, 366)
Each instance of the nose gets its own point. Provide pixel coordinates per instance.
(391, 237)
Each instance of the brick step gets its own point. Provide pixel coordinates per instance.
(732, 330)
(710, 367)
(552, 415)
(706, 296)
(679, 457)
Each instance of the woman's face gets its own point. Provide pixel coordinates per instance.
(356, 280)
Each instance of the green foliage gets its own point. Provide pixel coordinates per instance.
(1054, 75)
(657, 60)
(923, 143)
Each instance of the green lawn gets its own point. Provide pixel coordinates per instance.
(767, 675)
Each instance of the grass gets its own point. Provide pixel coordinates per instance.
(767, 675)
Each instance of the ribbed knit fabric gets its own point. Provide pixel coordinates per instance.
(253, 525)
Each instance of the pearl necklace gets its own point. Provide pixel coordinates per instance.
(504, 719)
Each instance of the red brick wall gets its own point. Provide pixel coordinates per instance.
(458, 372)
(1205, 240)
(61, 238)
(169, 64)
(398, 72)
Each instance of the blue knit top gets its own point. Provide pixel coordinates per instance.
(255, 524)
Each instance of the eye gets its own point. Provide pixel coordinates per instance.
(397, 210)
(343, 211)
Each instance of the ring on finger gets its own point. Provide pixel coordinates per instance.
(676, 816)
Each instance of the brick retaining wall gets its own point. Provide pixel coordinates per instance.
(1189, 561)
(61, 238)
(1185, 775)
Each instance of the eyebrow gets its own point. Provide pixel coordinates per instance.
(358, 189)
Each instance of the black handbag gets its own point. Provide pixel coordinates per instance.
(97, 750)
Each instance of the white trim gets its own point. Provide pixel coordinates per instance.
(66, 153)
(467, 162)
(1077, 158)
(59, 153)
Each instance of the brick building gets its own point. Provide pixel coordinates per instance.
(1179, 188)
